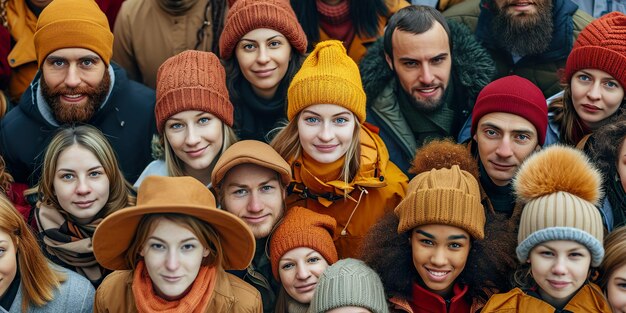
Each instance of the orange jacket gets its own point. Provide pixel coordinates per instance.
(379, 183)
(22, 58)
(588, 299)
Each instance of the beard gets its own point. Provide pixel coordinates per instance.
(427, 105)
(72, 113)
(524, 34)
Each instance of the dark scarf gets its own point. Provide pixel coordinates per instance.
(256, 116)
(336, 22)
(176, 7)
(501, 197)
(617, 199)
(6, 301)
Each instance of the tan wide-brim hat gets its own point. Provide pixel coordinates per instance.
(180, 195)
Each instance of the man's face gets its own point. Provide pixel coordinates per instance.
(523, 27)
(520, 9)
(504, 141)
(254, 194)
(422, 63)
(75, 81)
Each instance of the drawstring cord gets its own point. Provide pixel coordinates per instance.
(363, 191)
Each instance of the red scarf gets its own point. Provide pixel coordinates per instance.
(336, 22)
(195, 301)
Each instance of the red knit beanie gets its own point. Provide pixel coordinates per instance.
(247, 15)
(303, 228)
(192, 80)
(601, 45)
(515, 95)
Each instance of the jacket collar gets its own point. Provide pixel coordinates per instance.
(426, 301)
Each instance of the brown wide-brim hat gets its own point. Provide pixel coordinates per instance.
(180, 195)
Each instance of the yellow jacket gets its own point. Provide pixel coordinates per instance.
(22, 58)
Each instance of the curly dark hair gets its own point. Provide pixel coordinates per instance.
(605, 145)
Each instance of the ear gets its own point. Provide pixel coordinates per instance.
(141, 253)
(537, 148)
(205, 252)
(389, 61)
(474, 137)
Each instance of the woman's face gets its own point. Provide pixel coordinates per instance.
(616, 290)
(439, 255)
(560, 268)
(263, 56)
(621, 163)
(299, 270)
(8, 262)
(596, 95)
(80, 183)
(196, 138)
(173, 256)
(326, 131)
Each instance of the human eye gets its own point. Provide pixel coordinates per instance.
(584, 77)
(313, 259)
(341, 120)
(455, 245)
(427, 242)
(522, 137)
(175, 126)
(247, 46)
(203, 120)
(275, 44)
(611, 84)
(409, 63)
(287, 266)
(66, 176)
(621, 285)
(157, 246)
(188, 247)
(546, 253)
(240, 192)
(490, 132)
(88, 62)
(2, 251)
(311, 119)
(267, 188)
(96, 173)
(438, 60)
(57, 62)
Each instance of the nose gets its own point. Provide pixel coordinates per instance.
(263, 56)
(254, 203)
(83, 187)
(302, 272)
(326, 133)
(192, 138)
(559, 268)
(504, 149)
(172, 263)
(426, 75)
(72, 78)
(438, 258)
(594, 91)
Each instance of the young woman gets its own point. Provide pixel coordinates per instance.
(262, 46)
(193, 115)
(340, 167)
(560, 236)
(170, 252)
(613, 270)
(301, 249)
(425, 252)
(593, 82)
(607, 147)
(28, 283)
(80, 184)
(356, 24)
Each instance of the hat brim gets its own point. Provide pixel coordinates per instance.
(115, 233)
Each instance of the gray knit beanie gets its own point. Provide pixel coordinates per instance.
(349, 282)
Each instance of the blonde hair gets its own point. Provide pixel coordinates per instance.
(287, 144)
(614, 255)
(91, 139)
(38, 279)
(175, 166)
(5, 178)
(205, 233)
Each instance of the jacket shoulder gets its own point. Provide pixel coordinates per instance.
(581, 19)
(248, 299)
(466, 12)
(75, 294)
(111, 296)
(504, 302)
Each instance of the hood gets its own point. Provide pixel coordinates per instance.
(472, 66)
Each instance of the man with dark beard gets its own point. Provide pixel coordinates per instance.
(421, 80)
(76, 83)
(528, 38)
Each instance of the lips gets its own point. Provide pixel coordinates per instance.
(437, 275)
(196, 153)
(74, 97)
(305, 288)
(427, 92)
(84, 204)
(264, 73)
(171, 279)
(326, 148)
(557, 284)
(256, 219)
(590, 108)
(501, 167)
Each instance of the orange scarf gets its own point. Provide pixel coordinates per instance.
(195, 301)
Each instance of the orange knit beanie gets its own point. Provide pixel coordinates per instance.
(192, 80)
(303, 228)
(245, 16)
(73, 24)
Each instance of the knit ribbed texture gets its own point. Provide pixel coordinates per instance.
(327, 76)
(192, 80)
(247, 15)
(448, 196)
(73, 24)
(303, 228)
(601, 45)
(349, 282)
(514, 95)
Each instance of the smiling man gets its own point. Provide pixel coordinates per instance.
(77, 83)
(250, 179)
(412, 78)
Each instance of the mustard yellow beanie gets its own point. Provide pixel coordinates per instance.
(327, 76)
(73, 24)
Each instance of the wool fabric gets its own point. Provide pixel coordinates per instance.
(560, 189)
(449, 196)
(349, 282)
(327, 76)
(600, 45)
(73, 24)
(515, 95)
(245, 16)
(192, 80)
(250, 152)
(302, 227)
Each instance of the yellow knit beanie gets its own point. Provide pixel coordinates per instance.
(327, 76)
(73, 24)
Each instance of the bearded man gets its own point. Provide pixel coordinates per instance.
(528, 38)
(76, 83)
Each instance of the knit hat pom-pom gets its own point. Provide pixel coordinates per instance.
(439, 154)
(558, 168)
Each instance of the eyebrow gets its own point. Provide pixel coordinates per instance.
(314, 113)
(269, 38)
(72, 171)
(292, 260)
(517, 131)
(243, 185)
(431, 236)
(161, 240)
(85, 57)
(451, 237)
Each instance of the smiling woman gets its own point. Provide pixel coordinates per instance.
(81, 183)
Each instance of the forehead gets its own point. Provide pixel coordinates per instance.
(442, 231)
(261, 34)
(506, 121)
(72, 54)
(249, 174)
(426, 45)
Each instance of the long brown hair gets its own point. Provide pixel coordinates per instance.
(38, 279)
(614, 255)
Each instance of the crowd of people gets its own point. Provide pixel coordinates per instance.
(312, 156)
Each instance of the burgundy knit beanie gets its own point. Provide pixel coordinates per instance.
(601, 45)
(192, 80)
(247, 15)
(515, 95)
